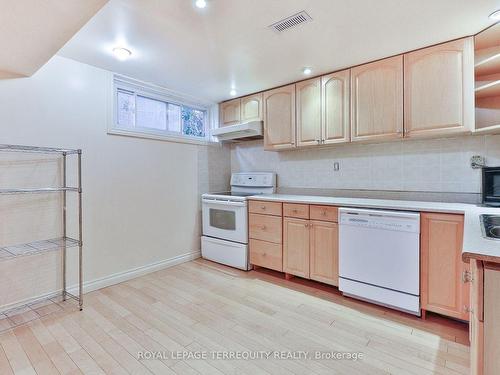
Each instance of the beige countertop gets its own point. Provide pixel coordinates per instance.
(474, 246)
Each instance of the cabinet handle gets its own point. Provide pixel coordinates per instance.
(467, 277)
(263, 207)
(468, 309)
(264, 227)
(323, 212)
(295, 211)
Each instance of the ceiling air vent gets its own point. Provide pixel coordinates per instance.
(291, 21)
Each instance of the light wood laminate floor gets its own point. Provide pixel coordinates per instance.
(204, 307)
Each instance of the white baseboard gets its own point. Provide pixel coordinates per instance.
(116, 278)
(103, 282)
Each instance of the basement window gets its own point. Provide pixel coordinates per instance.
(149, 111)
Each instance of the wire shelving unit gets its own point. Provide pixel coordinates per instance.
(53, 244)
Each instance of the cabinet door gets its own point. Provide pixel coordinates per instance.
(335, 116)
(476, 325)
(230, 112)
(296, 247)
(439, 89)
(324, 260)
(491, 319)
(279, 118)
(377, 100)
(309, 112)
(251, 108)
(442, 288)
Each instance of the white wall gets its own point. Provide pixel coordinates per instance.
(432, 165)
(141, 197)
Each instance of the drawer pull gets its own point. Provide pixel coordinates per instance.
(295, 211)
(263, 227)
(323, 212)
(263, 207)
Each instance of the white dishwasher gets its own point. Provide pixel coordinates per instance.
(379, 257)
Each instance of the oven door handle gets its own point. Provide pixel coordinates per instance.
(224, 203)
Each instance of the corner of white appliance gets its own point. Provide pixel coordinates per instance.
(229, 253)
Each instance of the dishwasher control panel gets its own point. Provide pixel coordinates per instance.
(380, 219)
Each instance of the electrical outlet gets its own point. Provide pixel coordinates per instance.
(336, 166)
(477, 161)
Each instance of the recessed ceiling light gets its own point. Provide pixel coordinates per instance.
(307, 71)
(495, 15)
(201, 3)
(121, 53)
(232, 92)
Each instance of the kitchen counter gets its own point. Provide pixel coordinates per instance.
(474, 246)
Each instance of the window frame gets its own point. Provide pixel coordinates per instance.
(139, 88)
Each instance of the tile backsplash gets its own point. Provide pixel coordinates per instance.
(432, 165)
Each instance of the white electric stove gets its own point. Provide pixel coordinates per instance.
(225, 218)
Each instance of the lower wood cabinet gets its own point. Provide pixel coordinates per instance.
(476, 325)
(443, 283)
(324, 252)
(296, 247)
(310, 249)
(484, 318)
(266, 254)
(265, 226)
(491, 332)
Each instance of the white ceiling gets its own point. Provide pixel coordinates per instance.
(203, 52)
(32, 31)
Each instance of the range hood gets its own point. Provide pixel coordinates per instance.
(239, 132)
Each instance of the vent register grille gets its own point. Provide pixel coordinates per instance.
(292, 21)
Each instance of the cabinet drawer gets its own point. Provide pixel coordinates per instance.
(266, 208)
(324, 213)
(265, 227)
(300, 211)
(266, 254)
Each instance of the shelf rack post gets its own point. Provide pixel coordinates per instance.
(80, 234)
(64, 228)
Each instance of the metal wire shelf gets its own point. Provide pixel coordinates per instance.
(16, 316)
(42, 150)
(26, 311)
(37, 247)
(37, 190)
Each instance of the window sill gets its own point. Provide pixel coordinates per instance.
(160, 137)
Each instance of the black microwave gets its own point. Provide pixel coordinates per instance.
(491, 186)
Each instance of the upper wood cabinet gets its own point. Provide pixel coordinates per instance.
(439, 89)
(323, 110)
(296, 246)
(442, 288)
(324, 252)
(251, 108)
(230, 112)
(279, 118)
(248, 108)
(335, 117)
(377, 100)
(308, 97)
